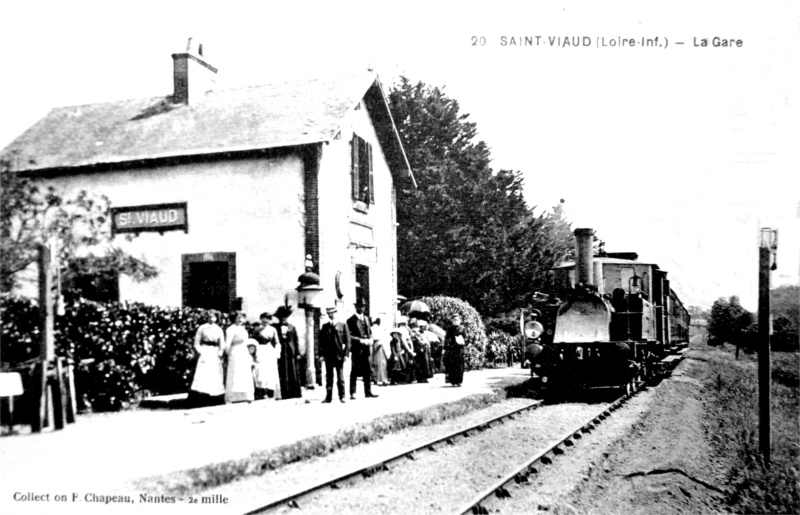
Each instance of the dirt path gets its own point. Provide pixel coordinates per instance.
(665, 464)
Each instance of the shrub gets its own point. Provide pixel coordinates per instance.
(442, 310)
(20, 329)
(507, 322)
(123, 351)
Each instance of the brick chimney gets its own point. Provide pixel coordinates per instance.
(192, 75)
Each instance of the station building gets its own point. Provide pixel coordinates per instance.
(229, 191)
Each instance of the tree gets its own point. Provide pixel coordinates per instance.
(785, 304)
(729, 322)
(31, 215)
(466, 230)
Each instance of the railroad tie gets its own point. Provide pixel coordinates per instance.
(502, 493)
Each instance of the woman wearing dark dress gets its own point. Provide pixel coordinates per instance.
(397, 362)
(287, 363)
(454, 343)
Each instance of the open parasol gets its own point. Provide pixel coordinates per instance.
(438, 331)
(415, 308)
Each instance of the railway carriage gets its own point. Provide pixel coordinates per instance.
(615, 321)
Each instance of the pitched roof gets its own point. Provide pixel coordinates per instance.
(251, 118)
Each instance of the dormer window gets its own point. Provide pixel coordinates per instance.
(361, 172)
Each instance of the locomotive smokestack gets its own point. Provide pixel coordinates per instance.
(583, 253)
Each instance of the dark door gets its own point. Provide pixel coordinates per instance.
(208, 286)
(362, 285)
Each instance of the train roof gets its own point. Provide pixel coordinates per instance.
(609, 261)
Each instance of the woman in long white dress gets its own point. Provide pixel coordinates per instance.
(380, 374)
(209, 343)
(239, 381)
(269, 350)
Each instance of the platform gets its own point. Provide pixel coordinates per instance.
(112, 452)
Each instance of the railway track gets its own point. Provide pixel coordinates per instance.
(519, 475)
(383, 464)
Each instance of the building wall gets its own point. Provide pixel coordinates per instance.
(253, 207)
(349, 237)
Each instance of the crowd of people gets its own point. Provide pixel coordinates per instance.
(263, 361)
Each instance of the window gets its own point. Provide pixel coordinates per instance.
(361, 171)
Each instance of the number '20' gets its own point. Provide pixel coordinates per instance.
(478, 41)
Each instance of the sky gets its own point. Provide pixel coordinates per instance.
(679, 152)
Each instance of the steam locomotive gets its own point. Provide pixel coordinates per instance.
(615, 321)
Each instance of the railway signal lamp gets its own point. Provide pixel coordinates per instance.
(769, 240)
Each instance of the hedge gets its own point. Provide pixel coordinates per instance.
(124, 351)
(442, 310)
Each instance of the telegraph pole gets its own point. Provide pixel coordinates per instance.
(766, 250)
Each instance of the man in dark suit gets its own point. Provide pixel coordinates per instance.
(334, 345)
(360, 345)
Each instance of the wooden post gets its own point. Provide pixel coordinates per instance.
(47, 342)
(50, 389)
(39, 396)
(764, 380)
(59, 396)
(72, 409)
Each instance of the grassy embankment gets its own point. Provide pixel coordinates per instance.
(733, 425)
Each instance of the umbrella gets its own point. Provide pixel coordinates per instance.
(415, 306)
(438, 331)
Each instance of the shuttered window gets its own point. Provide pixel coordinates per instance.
(363, 188)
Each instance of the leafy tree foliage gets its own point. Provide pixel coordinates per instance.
(31, 215)
(785, 307)
(466, 230)
(729, 322)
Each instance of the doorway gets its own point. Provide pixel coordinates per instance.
(209, 280)
(362, 285)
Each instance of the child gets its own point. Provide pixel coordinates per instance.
(252, 348)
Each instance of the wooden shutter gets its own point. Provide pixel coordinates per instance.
(371, 179)
(354, 167)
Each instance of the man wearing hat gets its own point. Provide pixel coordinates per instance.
(360, 345)
(334, 345)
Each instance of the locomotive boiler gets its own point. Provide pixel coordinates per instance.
(615, 321)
